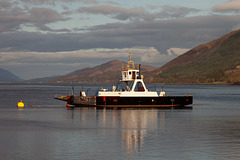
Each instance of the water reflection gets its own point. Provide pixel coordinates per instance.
(134, 128)
(132, 125)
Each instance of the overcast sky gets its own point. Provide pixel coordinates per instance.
(40, 38)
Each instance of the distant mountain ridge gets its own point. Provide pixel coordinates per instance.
(7, 76)
(109, 72)
(216, 62)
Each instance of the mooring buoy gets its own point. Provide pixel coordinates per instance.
(20, 104)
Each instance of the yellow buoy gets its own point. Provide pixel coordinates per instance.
(20, 104)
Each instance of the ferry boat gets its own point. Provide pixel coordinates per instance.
(129, 92)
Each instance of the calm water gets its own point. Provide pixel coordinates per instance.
(46, 129)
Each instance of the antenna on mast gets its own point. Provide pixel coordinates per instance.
(130, 64)
(130, 55)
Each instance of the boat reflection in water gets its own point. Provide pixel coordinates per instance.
(134, 128)
(129, 126)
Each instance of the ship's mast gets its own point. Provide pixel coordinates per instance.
(130, 64)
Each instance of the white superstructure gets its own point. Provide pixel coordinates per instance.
(131, 84)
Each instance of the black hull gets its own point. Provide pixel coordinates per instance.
(131, 102)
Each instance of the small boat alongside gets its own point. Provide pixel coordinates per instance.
(129, 92)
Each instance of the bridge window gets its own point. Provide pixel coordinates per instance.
(139, 87)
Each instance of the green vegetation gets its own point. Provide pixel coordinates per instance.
(218, 65)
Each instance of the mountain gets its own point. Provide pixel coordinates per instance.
(109, 72)
(6, 76)
(216, 62)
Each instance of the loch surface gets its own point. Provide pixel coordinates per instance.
(46, 129)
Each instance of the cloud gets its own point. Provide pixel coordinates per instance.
(176, 51)
(73, 56)
(161, 34)
(53, 2)
(176, 12)
(236, 27)
(5, 4)
(42, 16)
(153, 56)
(13, 17)
(38, 2)
(233, 5)
(115, 12)
(137, 13)
(90, 2)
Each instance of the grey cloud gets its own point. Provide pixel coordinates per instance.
(5, 4)
(52, 2)
(137, 13)
(111, 2)
(161, 34)
(90, 1)
(44, 15)
(115, 12)
(181, 33)
(36, 41)
(38, 1)
(170, 11)
(12, 17)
